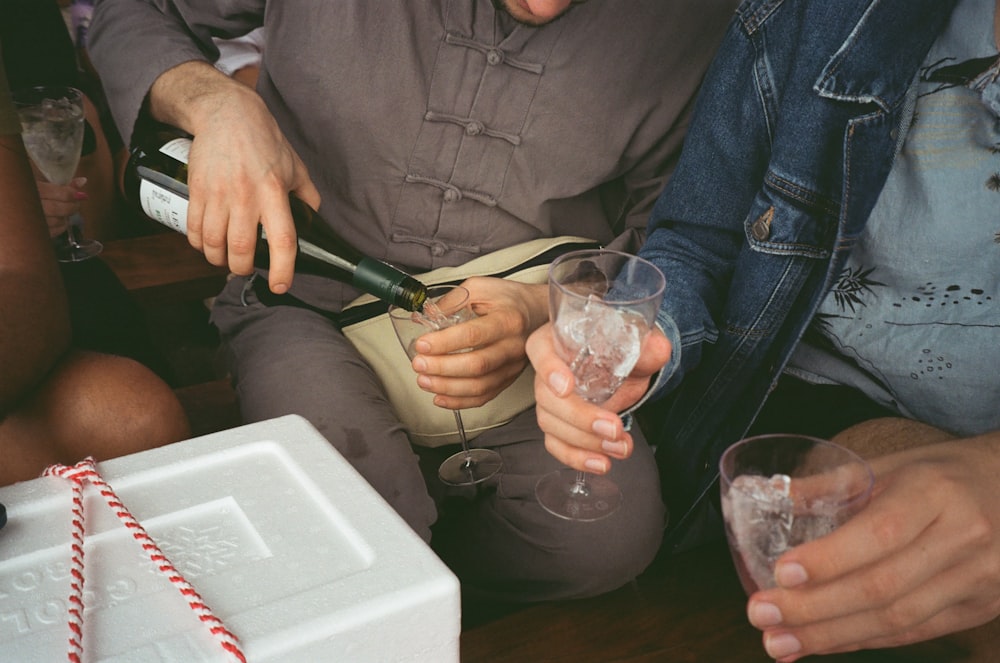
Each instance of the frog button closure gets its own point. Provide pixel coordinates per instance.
(474, 128)
(494, 56)
(761, 228)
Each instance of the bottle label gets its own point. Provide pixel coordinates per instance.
(163, 205)
(178, 148)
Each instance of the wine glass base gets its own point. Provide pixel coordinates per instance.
(66, 252)
(468, 468)
(561, 494)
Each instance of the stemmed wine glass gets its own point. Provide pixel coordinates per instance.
(52, 127)
(602, 303)
(447, 306)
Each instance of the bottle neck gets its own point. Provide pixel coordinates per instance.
(157, 180)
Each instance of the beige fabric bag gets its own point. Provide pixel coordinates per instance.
(366, 324)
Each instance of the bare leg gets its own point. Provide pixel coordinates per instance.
(91, 405)
(878, 437)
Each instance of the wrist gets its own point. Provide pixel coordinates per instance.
(538, 306)
(189, 95)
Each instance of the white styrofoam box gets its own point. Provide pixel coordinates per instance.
(281, 537)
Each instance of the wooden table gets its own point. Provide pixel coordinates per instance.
(689, 608)
(163, 267)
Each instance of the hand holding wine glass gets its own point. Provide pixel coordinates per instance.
(52, 126)
(445, 307)
(60, 202)
(779, 491)
(602, 304)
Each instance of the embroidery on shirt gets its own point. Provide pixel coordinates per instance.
(974, 74)
(851, 285)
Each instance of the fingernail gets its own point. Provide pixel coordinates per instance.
(80, 195)
(420, 364)
(617, 448)
(279, 288)
(422, 346)
(790, 575)
(781, 645)
(595, 465)
(558, 382)
(424, 381)
(604, 428)
(762, 614)
(79, 181)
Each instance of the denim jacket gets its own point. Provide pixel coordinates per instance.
(795, 131)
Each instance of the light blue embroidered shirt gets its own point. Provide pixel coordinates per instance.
(914, 319)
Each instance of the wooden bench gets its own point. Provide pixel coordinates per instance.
(163, 267)
(687, 608)
(210, 406)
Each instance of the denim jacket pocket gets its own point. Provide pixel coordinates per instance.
(786, 218)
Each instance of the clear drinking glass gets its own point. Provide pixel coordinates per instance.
(52, 127)
(779, 491)
(602, 303)
(447, 306)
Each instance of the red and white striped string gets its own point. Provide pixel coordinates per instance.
(86, 472)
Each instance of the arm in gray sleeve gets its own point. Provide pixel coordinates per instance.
(132, 42)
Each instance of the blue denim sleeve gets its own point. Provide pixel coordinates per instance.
(668, 376)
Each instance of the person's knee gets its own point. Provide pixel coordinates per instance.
(151, 415)
(605, 555)
(90, 405)
(877, 437)
(601, 556)
(115, 406)
(159, 417)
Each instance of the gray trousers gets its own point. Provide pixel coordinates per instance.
(495, 537)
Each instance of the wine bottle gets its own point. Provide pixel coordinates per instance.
(156, 178)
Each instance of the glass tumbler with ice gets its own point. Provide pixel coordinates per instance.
(779, 491)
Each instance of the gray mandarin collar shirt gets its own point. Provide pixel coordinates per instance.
(440, 130)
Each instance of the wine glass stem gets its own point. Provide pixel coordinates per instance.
(580, 484)
(461, 435)
(72, 227)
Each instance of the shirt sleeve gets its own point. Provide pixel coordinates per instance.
(234, 54)
(132, 42)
